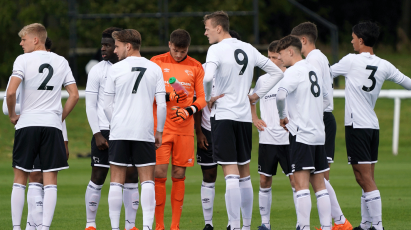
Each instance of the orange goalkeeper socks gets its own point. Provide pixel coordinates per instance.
(177, 198)
(160, 189)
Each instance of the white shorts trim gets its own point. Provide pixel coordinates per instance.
(118, 164)
(56, 169)
(23, 169)
(244, 163)
(330, 160)
(364, 162)
(325, 170)
(36, 170)
(143, 165)
(103, 166)
(207, 164)
(227, 163)
(265, 174)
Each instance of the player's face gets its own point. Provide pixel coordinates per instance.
(107, 49)
(275, 58)
(355, 42)
(286, 57)
(177, 53)
(211, 32)
(120, 49)
(28, 43)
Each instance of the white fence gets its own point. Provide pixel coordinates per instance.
(397, 95)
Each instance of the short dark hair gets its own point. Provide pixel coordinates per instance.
(128, 36)
(308, 29)
(368, 31)
(107, 33)
(219, 18)
(48, 43)
(273, 46)
(180, 38)
(234, 34)
(288, 41)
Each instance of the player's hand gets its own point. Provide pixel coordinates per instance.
(259, 124)
(179, 97)
(179, 115)
(283, 122)
(14, 119)
(201, 140)
(158, 139)
(253, 98)
(101, 142)
(67, 150)
(213, 100)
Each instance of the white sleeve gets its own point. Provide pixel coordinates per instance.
(280, 99)
(69, 79)
(291, 80)
(64, 131)
(161, 102)
(92, 88)
(212, 56)
(208, 80)
(406, 83)
(268, 66)
(109, 94)
(395, 75)
(19, 67)
(342, 67)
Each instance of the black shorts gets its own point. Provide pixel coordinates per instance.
(270, 155)
(141, 153)
(362, 145)
(45, 142)
(232, 141)
(330, 132)
(205, 157)
(37, 164)
(99, 158)
(307, 157)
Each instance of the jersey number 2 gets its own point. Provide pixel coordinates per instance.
(44, 85)
(314, 83)
(243, 62)
(139, 77)
(372, 78)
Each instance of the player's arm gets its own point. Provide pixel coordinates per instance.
(342, 67)
(399, 78)
(109, 94)
(11, 97)
(258, 123)
(280, 99)
(212, 64)
(92, 88)
(272, 69)
(201, 138)
(5, 108)
(161, 109)
(65, 137)
(71, 87)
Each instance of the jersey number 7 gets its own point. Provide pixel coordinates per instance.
(139, 77)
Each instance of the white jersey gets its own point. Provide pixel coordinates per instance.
(205, 118)
(95, 85)
(273, 134)
(235, 61)
(134, 82)
(364, 75)
(320, 61)
(42, 73)
(305, 103)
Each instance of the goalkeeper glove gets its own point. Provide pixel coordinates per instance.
(179, 115)
(178, 97)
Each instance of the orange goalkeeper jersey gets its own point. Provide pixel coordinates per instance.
(190, 74)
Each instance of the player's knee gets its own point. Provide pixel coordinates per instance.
(131, 177)
(36, 177)
(209, 173)
(98, 175)
(265, 182)
(178, 172)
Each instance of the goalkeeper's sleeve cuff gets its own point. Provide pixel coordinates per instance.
(191, 109)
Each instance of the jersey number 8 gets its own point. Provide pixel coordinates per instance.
(314, 83)
(243, 62)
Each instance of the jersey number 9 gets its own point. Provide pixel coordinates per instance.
(243, 62)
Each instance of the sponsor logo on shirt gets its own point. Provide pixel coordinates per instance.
(189, 73)
(166, 70)
(182, 83)
(270, 96)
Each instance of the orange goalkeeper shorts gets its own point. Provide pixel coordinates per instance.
(179, 148)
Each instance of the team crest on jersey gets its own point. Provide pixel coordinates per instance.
(166, 70)
(259, 168)
(96, 159)
(189, 73)
(199, 158)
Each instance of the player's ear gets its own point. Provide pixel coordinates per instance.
(361, 41)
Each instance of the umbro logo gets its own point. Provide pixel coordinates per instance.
(262, 209)
(39, 203)
(206, 200)
(189, 73)
(190, 160)
(136, 202)
(92, 203)
(166, 70)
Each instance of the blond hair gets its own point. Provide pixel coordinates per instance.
(37, 30)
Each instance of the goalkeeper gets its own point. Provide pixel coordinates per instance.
(178, 137)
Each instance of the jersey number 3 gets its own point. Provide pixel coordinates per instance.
(139, 77)
(372, 78)
(44, 85)
(243, 62)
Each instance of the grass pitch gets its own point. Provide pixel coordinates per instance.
(392, 176)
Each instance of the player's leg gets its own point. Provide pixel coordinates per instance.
(209, 171)
(119, 155)
(17, 196)
(233, 194)
(144, 158)
(160, 173)
(35, 194)
(302, 182)
(131, 197)
(99, 171)
(323, 200)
